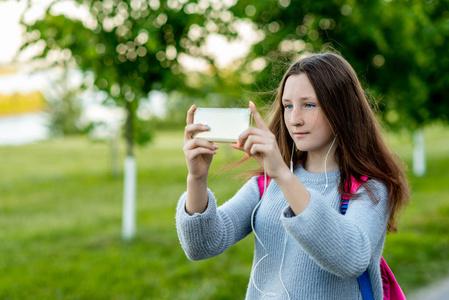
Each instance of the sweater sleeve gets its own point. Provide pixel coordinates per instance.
(206, 234)
(341, 244)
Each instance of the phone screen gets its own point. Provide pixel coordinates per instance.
(226, 124)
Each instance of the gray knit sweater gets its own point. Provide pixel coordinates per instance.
(320, 252)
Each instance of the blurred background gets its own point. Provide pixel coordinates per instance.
(93, 98)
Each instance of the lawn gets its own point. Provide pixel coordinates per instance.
(60, 218)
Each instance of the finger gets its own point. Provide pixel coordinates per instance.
(252, 139)
(191, 129)
(258, 149)
(195, 143)
(200, 151)
(237, 146)
(246, 155)
(243, 136)
(260, 123)
(250, 131)
(190, 114)
(264, 136)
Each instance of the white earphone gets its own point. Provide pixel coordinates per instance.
(325, 165)
(252, 279)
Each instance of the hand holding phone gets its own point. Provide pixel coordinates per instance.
(198, 152)
(206, 126)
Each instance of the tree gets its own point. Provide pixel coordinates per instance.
(397, 47)
(130, 47)
(64, 106)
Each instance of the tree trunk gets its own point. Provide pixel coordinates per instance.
(419, 153)
(129, 193)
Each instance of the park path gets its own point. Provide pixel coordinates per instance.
(436, 291)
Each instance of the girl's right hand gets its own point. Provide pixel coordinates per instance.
(198, 152)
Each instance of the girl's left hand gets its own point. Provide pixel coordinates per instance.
(260, 143)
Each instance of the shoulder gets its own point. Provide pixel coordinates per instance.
(372, 196)
(376, 189)
(376, 186)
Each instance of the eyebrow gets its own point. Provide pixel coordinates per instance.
(302, 98)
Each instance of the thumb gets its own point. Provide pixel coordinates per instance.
(260, 123)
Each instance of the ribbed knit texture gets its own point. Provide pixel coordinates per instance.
(325, 251)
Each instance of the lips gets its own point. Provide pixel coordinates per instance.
(300, 134)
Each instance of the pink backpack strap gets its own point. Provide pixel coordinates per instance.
(350, 188)
(352, 185)
(391, 288)
(260, 184)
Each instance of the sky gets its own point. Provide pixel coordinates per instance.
(10, 31)
(10, 41)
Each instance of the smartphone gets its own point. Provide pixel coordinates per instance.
(226, 124)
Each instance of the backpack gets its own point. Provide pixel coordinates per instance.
(390, 286)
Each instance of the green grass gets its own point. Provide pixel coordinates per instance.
(60, 218)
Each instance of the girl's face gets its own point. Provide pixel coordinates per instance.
(305, 121)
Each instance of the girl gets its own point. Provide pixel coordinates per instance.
(324, 129)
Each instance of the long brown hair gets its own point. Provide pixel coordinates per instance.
(360, 149)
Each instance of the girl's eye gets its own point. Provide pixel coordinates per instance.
(309, 105)
(306, 106)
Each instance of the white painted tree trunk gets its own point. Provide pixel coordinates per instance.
(129, 199)
(419, 153)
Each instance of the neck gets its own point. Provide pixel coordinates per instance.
(315, 161)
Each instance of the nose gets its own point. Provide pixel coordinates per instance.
(296, 117)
